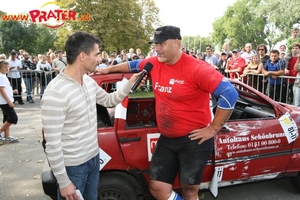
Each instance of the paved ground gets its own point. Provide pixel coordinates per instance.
(21, 163)
(21, 166)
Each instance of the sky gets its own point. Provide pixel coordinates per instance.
(193, 17)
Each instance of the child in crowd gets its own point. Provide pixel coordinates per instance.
(6, 103)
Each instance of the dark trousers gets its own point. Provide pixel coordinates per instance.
(278, 92)
(16, 84)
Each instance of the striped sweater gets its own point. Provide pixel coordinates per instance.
(69, 119)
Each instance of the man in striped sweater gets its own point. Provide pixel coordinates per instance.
(69, 118)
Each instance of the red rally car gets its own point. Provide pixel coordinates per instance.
(259, 142)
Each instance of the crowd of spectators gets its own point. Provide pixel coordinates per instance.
(34, 72)
(256, 67)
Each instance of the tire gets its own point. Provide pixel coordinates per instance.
(115, 187)
(296, 181)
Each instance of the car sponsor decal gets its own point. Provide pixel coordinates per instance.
(104, 158)
(121, 108)
(151, 144)
(289, 127)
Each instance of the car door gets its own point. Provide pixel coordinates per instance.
(252, 144)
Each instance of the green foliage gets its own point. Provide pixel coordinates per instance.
(240, 25)
(282, 16)
(31, 37)
(119, 24)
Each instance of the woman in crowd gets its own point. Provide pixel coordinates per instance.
(253, 68)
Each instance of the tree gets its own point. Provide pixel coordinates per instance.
(240, 25)
(119, 24)
(282, 15)
(62, 34)
(11, 33)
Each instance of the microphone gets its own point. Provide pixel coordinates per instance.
(146, 70)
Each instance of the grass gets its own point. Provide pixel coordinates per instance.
(141, 94)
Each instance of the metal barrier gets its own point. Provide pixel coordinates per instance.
(283, 92)
(31, 83)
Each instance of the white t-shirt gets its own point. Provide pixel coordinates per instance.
(43, 66)
(14, 73)
(247, 56)
(4, 82)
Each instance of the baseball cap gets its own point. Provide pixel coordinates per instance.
(164, 33)
(235, 50)
(223, 53)
(13, 52)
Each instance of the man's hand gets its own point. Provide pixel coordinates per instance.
(203, 134)
(102, 70)
(135, 77)
(69, 192)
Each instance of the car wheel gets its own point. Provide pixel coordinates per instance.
(296, 181)
(115, 187)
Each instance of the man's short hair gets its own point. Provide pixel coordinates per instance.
(296, 44)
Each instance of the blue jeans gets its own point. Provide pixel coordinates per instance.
(85, 177)
(28, 83)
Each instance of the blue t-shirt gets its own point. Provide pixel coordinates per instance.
(277, 66)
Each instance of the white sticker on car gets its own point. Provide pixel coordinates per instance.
(151, 143)
(218, 174)
(104, 158)
(289, 127)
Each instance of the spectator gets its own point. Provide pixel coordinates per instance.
(28, 75)
(118, 59)
(104, 63)
(235, 65)
(36, 84)
(296, 88)
(247, 55)
(152, 49)
(254, 67)
(294, 38)
(112, 60)
(282, 55)
(222, 63)
(14, 75)
(20, 55)
(3, 56)
(60, 62)
(291, 71)
(210, 58)
(130, 54)
(124, 58)
(282, 48)
(44, 74)
(141, 56)
(6, 103)
(274, 68)
(226, 48)
(192, 53)
(262, 52)
(138, 52)
(199, 56)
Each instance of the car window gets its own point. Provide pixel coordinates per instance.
(251, 105)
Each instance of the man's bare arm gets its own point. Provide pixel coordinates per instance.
(122, 67)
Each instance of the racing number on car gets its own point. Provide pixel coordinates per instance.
(289, 127)
(219, 173)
